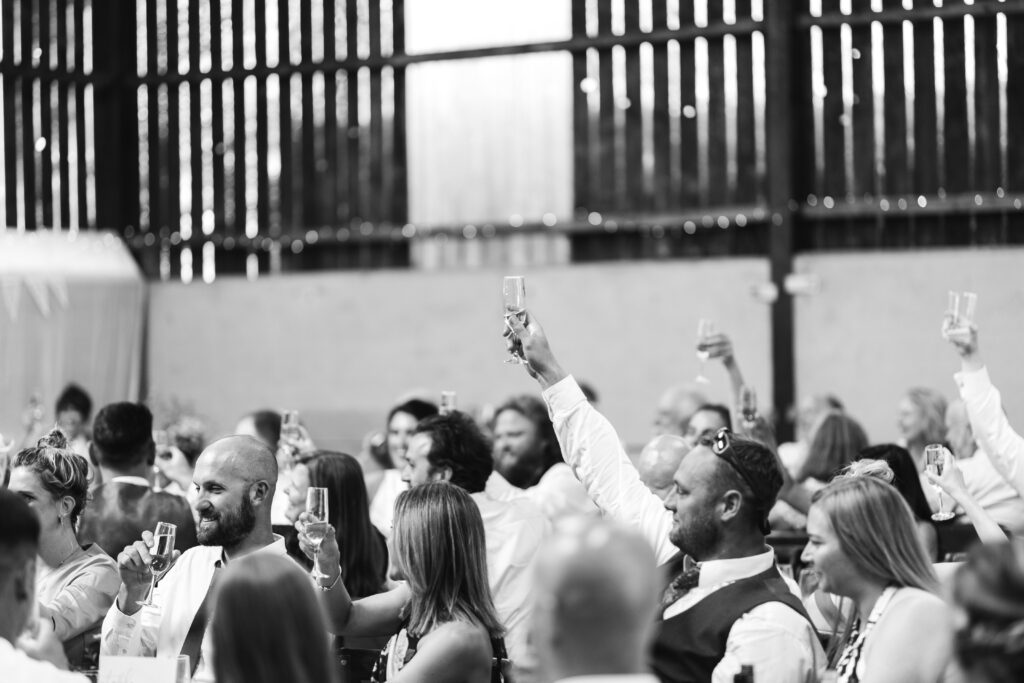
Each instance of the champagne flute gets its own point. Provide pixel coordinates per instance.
(513, 288)
(748, 404)
(705, 330)
(447, 403)
(935, 462)
(182, 670)
(161, 553)
(316, 526)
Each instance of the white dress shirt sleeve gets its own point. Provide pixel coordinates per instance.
(779, 643)
(992, 429)
(130, 635)
(593, 450)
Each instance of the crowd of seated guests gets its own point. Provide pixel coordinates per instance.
(532, 548)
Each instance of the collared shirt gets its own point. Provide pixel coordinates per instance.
(382, 507)
(558, 494)
(160, 630)
(77, 593)
(991, 428)
(514, 532)
(780, 643)
(18, 667)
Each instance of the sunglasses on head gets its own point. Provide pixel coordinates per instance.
(720, 443)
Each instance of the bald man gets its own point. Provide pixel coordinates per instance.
(233, 489)
(675, 408)
(658, 462)
(596, 594)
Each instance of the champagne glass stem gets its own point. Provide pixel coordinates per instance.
(316, 562)
(941, 506)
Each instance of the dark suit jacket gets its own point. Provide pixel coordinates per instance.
(120, 512)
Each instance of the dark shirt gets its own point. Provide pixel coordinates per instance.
(121, 511)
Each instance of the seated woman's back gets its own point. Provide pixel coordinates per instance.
(457, 641)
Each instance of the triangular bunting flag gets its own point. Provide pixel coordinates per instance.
(60, 291)
(39, 291)
(11, 287)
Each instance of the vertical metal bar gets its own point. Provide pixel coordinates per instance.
(781, 74)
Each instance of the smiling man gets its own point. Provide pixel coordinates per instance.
(730, 606)
(233, 489)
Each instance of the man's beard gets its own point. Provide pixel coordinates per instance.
(522, 472)
(698, 538)
(230, 527)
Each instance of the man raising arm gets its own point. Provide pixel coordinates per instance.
(732, 607)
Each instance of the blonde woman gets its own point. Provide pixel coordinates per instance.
(863, 546)
(75, 584)
(444, 625)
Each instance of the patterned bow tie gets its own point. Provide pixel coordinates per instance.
(684, 582)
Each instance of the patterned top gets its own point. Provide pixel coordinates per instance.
(402, 647)
(851, 666)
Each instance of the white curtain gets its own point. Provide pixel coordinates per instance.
(72, 310)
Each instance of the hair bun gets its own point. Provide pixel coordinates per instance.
(54, 439)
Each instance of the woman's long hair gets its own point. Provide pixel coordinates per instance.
(363, 551)
(268, 625)
(836, 440)
(439, 547)
(989, 588)
(877, 532)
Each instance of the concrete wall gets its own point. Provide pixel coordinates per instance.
(342, 347)
(873, 331)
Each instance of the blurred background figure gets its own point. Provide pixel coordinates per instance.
(988, 595)
(658, 462)
(39, 658)
(595, 601)
(527, 457)
(73, 411)
(364, 554)
(76, 584)
(268, 625)
(125, 505)
(675, 408)
(264, 425)
(383, 469)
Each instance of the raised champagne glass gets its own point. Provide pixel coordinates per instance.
(705, 330)
(513, 289)
(447, 403)
(935, 462)
(162, 553)
(316, 525)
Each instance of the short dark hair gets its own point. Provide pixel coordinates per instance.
(267, 424)
(75, 398)
(761, 467)
(418, 408)
(718, 409)
(457, 442)
(121, 434)
(19, 533)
